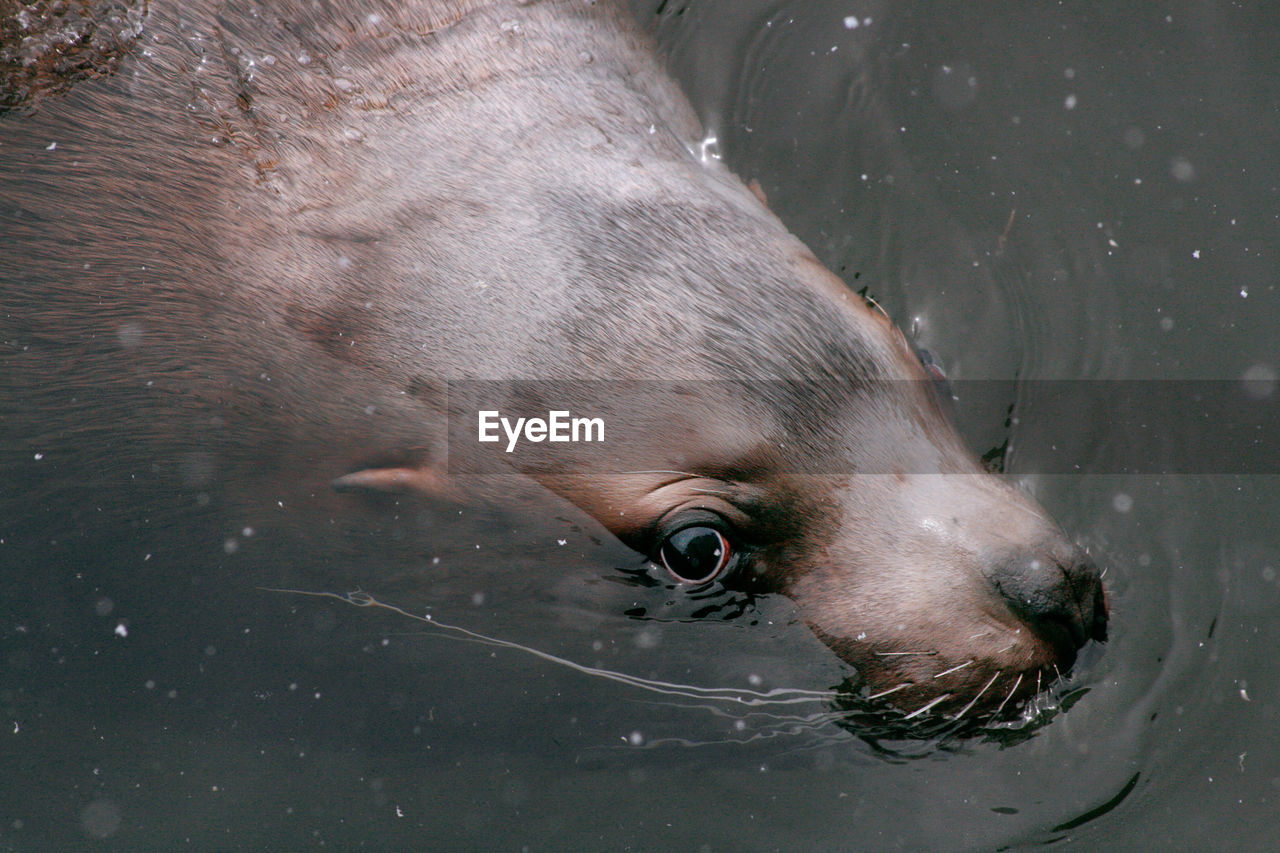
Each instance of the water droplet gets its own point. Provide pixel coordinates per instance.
(709, 149)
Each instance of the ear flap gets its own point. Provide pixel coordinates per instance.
(398, 480)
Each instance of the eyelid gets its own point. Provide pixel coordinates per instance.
(692, 516)
(737, 507)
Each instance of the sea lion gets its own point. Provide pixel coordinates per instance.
(248, 267)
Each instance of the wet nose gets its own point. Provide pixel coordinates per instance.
(1059, 596)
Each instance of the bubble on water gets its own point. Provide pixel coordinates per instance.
(635, 739)
(1259, 381)
(103, 606)
(100, 819)
(1166, 324)
(1182, 170)
(647, 639)
(1070, 102)
(1133, 138)
(1121, 502)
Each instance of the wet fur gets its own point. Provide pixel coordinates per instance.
(240, 275)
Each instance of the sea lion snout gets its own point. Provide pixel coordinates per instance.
(947, 588)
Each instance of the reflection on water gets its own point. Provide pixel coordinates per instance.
(808, 715)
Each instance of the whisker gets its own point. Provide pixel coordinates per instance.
(1012, 691)
(975, 699)
(884, 693)
(926, 707)
(904, 654)
(969, 662)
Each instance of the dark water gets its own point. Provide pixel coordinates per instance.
(1058, 193)
(1079, 192)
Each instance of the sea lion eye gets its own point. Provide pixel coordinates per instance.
(696, 554)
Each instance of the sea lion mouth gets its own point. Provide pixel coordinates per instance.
(1011, 708)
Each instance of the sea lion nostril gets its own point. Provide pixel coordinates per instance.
(1062, 600)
